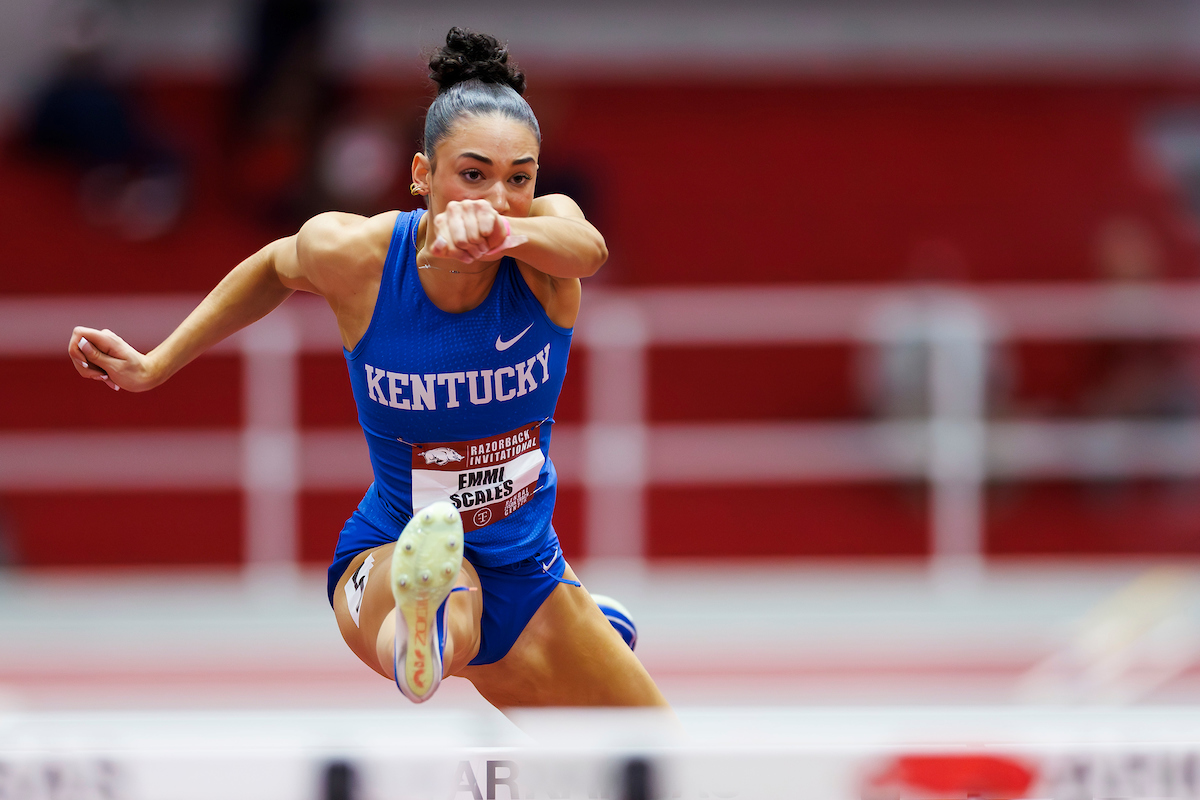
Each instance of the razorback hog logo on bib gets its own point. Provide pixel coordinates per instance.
(441, 455)
(487, 479)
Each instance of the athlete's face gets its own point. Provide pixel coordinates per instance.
(491, 158)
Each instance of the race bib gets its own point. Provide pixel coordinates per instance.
(486, 479)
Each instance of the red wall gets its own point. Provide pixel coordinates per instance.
(691, 183)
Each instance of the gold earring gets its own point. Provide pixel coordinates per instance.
(414, 189)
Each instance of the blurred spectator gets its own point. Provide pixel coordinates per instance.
(359, 164)
(1137, 377)
(132, 180)
(1173, 138)
(1147, 379)
(284, 100)
(894, 371)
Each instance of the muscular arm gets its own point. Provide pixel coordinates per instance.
(561, 242)
(325, 257)
(554, 246)
(555, 239)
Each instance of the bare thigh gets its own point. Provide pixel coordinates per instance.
(568, 655)
(374, 632)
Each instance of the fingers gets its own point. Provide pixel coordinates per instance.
(89, 360)
(442, 248)
(102, 343)
(462, 229)
(492, 229)
(95, 371)
(467, 225)
(94, 355)
(107, 381)
(75, 351)
(467, 230)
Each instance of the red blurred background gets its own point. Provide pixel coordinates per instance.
(800, 177)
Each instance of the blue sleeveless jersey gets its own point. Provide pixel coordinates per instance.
(459, 407)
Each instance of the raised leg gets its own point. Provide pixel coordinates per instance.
(425, 566)
(372, 637)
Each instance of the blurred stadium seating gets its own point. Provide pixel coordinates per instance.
(904, 279)
(816, 181)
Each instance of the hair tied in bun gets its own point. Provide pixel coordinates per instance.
(469, 55)
(474, 78)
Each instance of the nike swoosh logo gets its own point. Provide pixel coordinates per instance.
(503, 345)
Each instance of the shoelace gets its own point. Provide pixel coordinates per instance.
(546, 569)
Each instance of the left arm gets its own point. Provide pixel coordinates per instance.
(554, 247)
(561, 242)
(555, 239)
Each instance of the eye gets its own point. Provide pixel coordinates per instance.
(472, 175)
(520, 179)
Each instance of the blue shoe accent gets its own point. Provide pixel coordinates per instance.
(425, 565)
(618, 616)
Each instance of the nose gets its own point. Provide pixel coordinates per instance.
(498, 197)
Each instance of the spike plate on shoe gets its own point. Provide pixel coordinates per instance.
(430, 541)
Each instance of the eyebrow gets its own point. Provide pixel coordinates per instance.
(488, 161)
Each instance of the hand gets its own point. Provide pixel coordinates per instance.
(469, 230)
(104, 356)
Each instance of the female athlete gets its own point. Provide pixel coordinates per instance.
(456, 324)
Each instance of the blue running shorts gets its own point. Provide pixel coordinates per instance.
(512, 593)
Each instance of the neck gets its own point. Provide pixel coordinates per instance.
(451, 285)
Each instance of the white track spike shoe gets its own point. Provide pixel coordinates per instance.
(618, 616)
(425, 568)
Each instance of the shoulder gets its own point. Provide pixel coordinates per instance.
(335, 247)
(346, 237)
(555, 205)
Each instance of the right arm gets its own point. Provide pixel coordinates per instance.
(326, 257)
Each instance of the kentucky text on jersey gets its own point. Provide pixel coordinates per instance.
(413, 392)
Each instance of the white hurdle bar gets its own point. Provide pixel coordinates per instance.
(617, 453)
(827, 753)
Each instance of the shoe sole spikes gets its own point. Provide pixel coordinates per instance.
(425, 566)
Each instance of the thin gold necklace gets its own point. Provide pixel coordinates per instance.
(452, 271)
(440, 269)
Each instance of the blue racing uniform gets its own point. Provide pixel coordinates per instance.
(460, 407)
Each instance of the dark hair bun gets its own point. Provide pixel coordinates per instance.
(468, 55)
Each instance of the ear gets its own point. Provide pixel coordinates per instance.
(421, 171)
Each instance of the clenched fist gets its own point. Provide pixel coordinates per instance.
(103, 356)
(469, 230)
